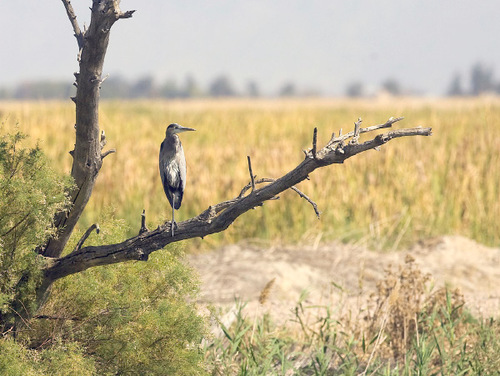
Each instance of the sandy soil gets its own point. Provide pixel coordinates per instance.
(243, 270)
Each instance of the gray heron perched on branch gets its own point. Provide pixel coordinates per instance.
(173, 167)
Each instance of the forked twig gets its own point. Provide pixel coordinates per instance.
(293, 188)
(79, 245)
(344, 137)
(357, 127)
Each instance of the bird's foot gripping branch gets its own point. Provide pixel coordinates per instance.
(220, 216)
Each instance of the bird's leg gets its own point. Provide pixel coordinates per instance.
(172, 225)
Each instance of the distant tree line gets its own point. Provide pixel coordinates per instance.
(38, 90)
(147, 87)
(481, 80)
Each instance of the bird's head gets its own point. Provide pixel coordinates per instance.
(176, 128)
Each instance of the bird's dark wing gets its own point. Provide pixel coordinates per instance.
(171, 173)
(174, 192)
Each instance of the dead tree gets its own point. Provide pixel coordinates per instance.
(88, 157)
(88, 154)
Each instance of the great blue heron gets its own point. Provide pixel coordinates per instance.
(173, 167)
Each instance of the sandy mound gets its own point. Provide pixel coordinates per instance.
(243, 270)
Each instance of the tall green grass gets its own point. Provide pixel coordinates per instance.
(413, 188)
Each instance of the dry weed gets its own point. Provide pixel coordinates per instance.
(264, 294)
(406, 307)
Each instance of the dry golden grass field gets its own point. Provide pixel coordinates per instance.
(412, 189)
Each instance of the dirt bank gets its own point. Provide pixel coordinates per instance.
(243, 270)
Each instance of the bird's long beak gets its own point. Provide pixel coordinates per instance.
(184, 129)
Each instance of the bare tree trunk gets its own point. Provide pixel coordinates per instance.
(87, 157)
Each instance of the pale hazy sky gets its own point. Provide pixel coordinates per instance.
(316, 44)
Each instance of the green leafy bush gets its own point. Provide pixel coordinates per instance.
(31, 192)
(58, 360)
(135, 317)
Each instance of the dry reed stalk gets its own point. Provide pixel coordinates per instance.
(264, 294)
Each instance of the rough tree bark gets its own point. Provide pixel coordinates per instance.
(88, 156)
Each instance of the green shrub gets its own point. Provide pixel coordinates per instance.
(15, 359)
(31, 192)
(58, 360)
(131, 318)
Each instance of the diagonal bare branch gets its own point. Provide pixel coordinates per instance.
(293, 188)
(219, 217)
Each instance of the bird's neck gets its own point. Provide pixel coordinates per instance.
(173, 140)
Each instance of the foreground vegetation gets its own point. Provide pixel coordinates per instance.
(141, 317)
(406, 328)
